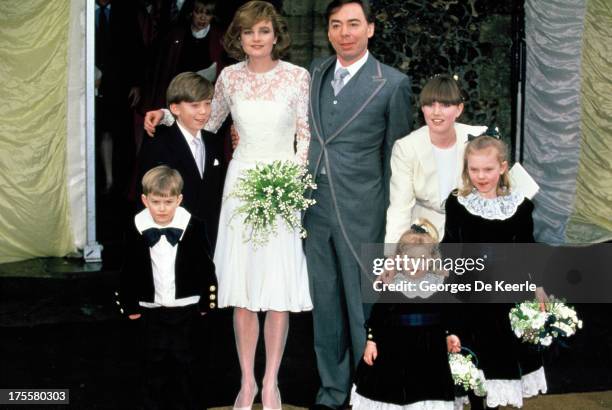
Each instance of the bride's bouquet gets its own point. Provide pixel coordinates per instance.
(272, 191)
(466, 374)
(534, 326)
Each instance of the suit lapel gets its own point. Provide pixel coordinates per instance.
(182, 150)
(366, 84)
(210, 155)
(315, 96)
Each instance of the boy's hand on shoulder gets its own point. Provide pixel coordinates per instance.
(371, 353)
(134, 316)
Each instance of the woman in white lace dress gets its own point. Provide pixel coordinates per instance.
(268, 101)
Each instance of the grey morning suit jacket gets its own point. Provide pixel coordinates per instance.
(356, 154)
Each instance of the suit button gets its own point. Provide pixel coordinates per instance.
(212, 305)
(213, 297)
(335, 102)
(213, 288)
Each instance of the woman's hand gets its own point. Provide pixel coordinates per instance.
(542, 297)
(235, 136)
(453, 344)
(152, 118)
(370, 354)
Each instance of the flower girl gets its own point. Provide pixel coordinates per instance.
(484, 211)
(405, 364)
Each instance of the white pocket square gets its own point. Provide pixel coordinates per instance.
(216, 163)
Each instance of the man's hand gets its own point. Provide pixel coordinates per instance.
(371, 353)
(152, 118)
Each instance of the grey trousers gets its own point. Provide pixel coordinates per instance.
(335, 287)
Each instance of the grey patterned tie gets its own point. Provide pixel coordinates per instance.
(338, 81)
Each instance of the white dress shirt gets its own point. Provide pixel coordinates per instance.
(353, 68)
(163, 258)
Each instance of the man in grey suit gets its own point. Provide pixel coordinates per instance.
(358, 108)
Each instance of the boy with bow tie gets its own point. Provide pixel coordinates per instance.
(167, 282)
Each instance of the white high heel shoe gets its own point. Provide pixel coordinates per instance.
(249, 407)
(280, 404)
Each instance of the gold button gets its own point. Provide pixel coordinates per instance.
(212, 297)
(213, 288)
(370, 337)
(212, 305)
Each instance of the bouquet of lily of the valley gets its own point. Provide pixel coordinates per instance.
(466, 375)
(270, 192)
(540, 328)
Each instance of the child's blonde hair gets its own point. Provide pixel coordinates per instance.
(422, 232)
(163, 181)
(482, 143)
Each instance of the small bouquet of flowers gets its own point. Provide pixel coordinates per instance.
(271, 191)
(466, 374)
(532, 325)
(563, 319)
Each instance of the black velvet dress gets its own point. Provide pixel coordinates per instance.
(412, 363)
(509, 365)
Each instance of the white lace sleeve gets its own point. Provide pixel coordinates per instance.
(220, 107)
(168, 118)
(302, 134)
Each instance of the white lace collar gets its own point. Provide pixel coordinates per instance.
(499, 208)
(419, 292)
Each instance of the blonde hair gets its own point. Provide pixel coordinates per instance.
(163, 181)
(422, 232)
(482, 143)
(246, 17)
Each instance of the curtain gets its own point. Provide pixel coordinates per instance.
(34, 210)
(591, 219)
(553, 30)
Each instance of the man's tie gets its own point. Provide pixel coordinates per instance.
(199, 155)
(338, 81)
(152, 235)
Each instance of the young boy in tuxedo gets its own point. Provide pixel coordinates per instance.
(167, 282)
(196, 154)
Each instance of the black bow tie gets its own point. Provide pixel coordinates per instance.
(152, 235)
